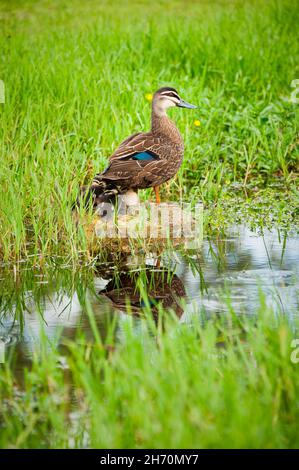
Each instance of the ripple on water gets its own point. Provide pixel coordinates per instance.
(227, 271)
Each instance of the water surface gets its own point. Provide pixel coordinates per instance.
(228, 271)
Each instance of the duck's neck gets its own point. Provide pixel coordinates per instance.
(162, 125)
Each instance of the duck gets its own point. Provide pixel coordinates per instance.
(145, 159)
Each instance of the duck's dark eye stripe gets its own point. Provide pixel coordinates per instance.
(171, 94)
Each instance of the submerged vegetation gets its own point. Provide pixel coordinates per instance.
(145, 371)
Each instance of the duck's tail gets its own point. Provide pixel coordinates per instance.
(100, 191)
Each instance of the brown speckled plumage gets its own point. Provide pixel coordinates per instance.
(163, 144)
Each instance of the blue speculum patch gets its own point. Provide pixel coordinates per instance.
(143, 156)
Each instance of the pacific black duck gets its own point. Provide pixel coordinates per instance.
(145, 159)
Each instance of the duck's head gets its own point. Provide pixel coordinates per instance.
(168, 97)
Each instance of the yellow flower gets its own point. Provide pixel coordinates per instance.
(197, 123)
(148, 96)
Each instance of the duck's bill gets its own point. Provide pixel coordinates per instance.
(184, 104)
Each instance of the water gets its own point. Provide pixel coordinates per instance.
(242, 264)
(231, 269)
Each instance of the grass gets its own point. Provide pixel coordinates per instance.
(229, 383)
(76, 77)
(150, 382)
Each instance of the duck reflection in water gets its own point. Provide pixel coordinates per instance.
(149, 288)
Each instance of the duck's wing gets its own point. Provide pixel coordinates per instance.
(134, 155)
(134, 173)
(126, 142)
(138, 143)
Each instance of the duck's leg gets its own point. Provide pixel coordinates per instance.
(158, 199)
